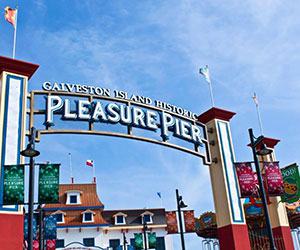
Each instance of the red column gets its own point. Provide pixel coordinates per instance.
(11, 231)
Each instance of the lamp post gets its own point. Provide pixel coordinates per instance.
(180, 204)
(145, 228)
(41, 231)
(31, 153)
(124, 241)
(262, 151)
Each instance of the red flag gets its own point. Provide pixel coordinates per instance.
(274, 178)
(35, 245)
(189, 221)
(51, 244)
(246, 178)
(90, 163)
(10, 15)
(171, 219)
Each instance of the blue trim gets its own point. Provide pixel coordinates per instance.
(72, 208)
(4, 132)
(227, 178)
(93, 225)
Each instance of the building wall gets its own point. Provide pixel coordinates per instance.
(102, 238)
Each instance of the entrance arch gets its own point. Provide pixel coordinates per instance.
(215, 142)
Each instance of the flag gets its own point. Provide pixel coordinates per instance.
(152, 240)
(138, 241)
(51, 244)
(255, 99)
(10, 15)
(159, 194)
(291, 180)
(205, 72)
(90, 163)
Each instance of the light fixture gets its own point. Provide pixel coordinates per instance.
(264, 150)
(182, 204)
(30, 151)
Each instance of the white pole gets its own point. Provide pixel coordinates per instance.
(94, 173)
(255, 99)
(15, 34)
(259, 119)
(71, 169)
(211, 94)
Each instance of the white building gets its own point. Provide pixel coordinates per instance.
(82, 221)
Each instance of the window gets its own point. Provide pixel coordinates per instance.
(160, 243)
(132, 244)
(88, 217)
(147, 218)
(89, 242)
(59, 218)
(60, 243)
(73, 199)
(114, 244)
(120, 219)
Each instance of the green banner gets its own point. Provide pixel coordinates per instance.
(13, 190)
(138, 241)
(48, 183)
(152, 240)
(291, 183)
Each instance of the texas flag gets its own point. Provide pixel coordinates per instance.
(10, 15)
(90, 163)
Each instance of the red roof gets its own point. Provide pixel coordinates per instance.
(89, 197)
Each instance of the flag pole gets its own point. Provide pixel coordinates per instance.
(211, 94)
(205, 72)
(71, 169)
(94, 173)
(15, 34)
(258, 113)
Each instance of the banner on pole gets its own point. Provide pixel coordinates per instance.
(189, 221)
(172, 226)
(246, 178)
(50, 227)
(26, 227)
(291, 182)
(49, 183)
(152, 240)
(13, 184)
(273, 179)
(50, 244)
(138, 241)
(36, 245)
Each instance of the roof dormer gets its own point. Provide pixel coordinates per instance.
(60, 216)
(120, 218)
(88, 216)
(147, 217)
(73, 197)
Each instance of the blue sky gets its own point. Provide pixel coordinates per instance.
(155, 48)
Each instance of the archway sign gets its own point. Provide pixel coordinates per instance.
(71, 108)
(102, 111)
